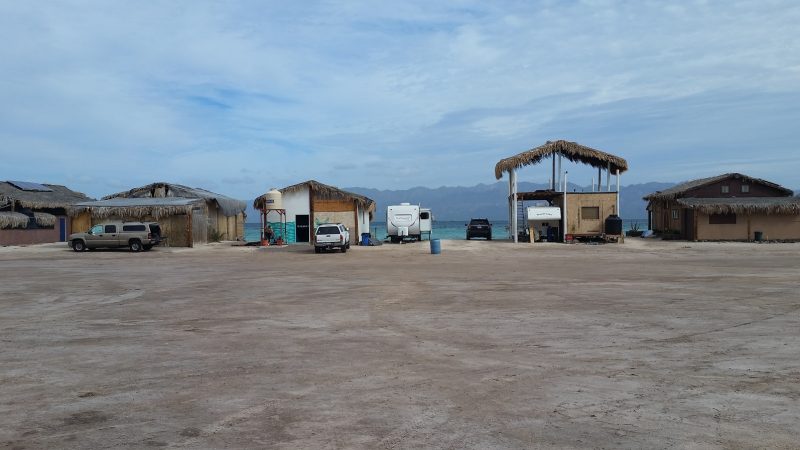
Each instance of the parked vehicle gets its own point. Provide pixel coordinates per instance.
(137, 236)
(330, 236)
(479, 228)
(402, 221)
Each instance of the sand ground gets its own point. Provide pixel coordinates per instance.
(488, 345)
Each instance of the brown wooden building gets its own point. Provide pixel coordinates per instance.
(732, 206)
(224, 216)
(33, 213)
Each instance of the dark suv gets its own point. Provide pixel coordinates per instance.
(479, 228)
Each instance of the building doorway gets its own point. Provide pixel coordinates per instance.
(688, 224)
(302, 228)
(62, 229)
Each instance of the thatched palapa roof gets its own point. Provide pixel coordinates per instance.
(13, 220)
(743, 205)
(323, 191)
(228, 206)
(137, 208)
(44, 220)
(571, 150)
(57, 197)
(679, 190)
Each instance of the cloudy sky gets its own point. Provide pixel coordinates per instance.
(241, 96)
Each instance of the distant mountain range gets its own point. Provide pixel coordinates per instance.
(489, 200)
(486, 200)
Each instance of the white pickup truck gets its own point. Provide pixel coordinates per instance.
(331, 236)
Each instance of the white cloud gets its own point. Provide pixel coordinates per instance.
(175, 92)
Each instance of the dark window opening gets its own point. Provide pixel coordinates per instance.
(133, 228)
(590, 212)
(722, 219)
(111, 229)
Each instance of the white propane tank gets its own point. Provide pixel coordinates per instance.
(273, 199)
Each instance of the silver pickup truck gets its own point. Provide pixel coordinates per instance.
(329, 236)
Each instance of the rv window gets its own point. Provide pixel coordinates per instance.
(590, 212)
(424, 215)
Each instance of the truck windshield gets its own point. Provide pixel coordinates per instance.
(328, 230)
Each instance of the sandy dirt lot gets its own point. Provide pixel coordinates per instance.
(488, 345)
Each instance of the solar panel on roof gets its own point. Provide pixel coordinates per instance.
(28, 186)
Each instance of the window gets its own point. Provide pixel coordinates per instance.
(745, 188)
(590, 212)
(675, 214)
(726, 189)
(425, 215)
(722, 219)
(111, 228)
(133, 228)
(97, 229)
(328, 230)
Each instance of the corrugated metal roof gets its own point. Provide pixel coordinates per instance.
(121, 202)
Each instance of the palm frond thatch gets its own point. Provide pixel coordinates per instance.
(44, 219)
(13, 220)
(58, 197)
(743, 205)
(137, 208)
(571, 150)
(228, 206)
(322, 191)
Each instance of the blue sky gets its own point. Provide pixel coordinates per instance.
(241, 96)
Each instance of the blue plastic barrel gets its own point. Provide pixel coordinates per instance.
(436, 246)
(364, 238)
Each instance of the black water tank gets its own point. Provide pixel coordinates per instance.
(613, 224)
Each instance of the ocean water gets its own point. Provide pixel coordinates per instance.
(442, 229)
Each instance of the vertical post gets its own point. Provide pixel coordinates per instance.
(510, 204)
(553, 179)
(593, 185)
(559, 169)
(608, 178)
(564, 231)
(618, 213)
(514, 208)
(599, 179)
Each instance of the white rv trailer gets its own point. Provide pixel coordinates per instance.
(402, 221)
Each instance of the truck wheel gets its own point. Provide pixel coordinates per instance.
(78, 245)
(135, 245)
(344, 249)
